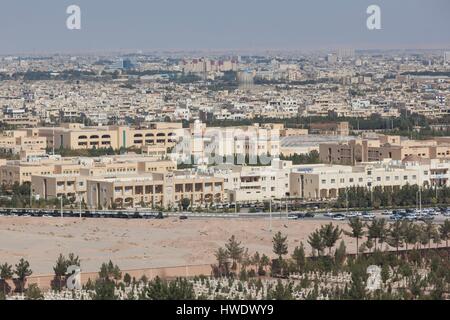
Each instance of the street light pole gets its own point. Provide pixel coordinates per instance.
(79, 195)
(62, 215)
(270, 210)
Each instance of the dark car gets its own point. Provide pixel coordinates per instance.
(183, 217)
(159, 215)
(309, 215)
(426, 217)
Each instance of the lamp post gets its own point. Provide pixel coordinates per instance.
(62, 214)
(270, 217)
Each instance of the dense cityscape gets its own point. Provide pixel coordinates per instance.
(224, 157)
(356, 137)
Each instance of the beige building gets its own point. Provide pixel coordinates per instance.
(16, 141)
(70, 179)
(77, 136)
(255, 183)
(382, 147)
(328, 181)
(154, 190)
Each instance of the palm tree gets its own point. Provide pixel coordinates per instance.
(6, 274)
(357, 231)
(330, 235)
(235, 251)
(444, 230)
(23, 271)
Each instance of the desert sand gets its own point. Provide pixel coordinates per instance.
(141, 243)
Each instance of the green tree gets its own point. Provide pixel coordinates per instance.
(316, 242)
(299, 257)
(280, 246)
(234, 250)
(357, 231)
(33, 292)
(330, 235)
(179, 289)
(444, 230)
(6, 273)
(22, 272)
(185, 202)
(222, 261)
(280, 292)
(127, 279)
(340, 254)
(60, 270)
(395, 235)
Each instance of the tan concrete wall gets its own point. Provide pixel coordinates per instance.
(44, 281)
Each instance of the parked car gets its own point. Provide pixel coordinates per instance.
(292, 216)
(309, 215)
(183, 217)
(426, 217)
(368, 216)
(410, 217)
(328, 214)
(395, 217)
(351, 215)
(386, 212)
(338, 217)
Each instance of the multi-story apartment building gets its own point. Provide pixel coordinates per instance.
(253, 140)
(15, 141)
(255, 183)
(154, 190)
(71, 179)
(328, 181)
(76, 136)
(382, 147)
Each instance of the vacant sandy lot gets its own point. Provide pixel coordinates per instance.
(139, 243)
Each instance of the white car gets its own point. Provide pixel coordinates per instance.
(351, 215)
(368, 216)
(339, 217)
(329, 214)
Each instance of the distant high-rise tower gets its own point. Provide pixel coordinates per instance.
(447, 57)
(346, 53)
(331, 58)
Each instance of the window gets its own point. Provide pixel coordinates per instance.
(396, 178)
(388, 178)
(342, 180)
(425, 173)
(333, 180)
(324, 181)
(414, 177)
(405, 177)
(350, 180)
(360, 180)
(369, 172)
(378, 178)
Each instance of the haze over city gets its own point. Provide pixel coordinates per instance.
(39, 26)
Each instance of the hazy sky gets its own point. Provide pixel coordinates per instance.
(40, 25)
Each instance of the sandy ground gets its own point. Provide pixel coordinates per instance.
(140, 243)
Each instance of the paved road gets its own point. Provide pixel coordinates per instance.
(277, 215)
